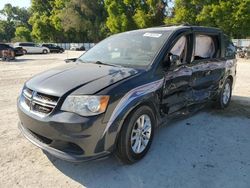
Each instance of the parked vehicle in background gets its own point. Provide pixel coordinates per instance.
(243, 52)
(81, 48)
(9, 53)
(73, 46)
(248, 52)
(53, 48)
(77, 47)
(18, 51)
(32, 48)
(115, 95)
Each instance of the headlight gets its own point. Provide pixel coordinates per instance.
(85, 105)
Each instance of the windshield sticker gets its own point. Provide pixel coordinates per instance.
(154, 35)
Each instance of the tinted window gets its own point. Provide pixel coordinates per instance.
(230, 49)
(4, 46)
(26, 44)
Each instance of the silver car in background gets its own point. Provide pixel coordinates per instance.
(32, 48)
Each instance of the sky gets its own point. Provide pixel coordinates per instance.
(20, 3)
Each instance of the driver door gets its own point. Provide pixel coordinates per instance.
(176, 88)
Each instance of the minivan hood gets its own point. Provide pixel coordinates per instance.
(70, 77)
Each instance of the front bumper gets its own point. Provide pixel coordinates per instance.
(65, 135)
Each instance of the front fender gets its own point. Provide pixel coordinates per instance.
(144, 94)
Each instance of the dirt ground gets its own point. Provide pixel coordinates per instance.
(208, 149)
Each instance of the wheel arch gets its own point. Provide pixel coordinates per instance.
(230, 77)
(146, 102)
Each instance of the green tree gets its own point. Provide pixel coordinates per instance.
(67, 20)
(13, 17)
(42, 25)
(22, 34)
(20, 16)
(7, 31)
(126, 15)
(84, 18)
(232, 16)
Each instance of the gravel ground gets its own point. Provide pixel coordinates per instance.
(208, 149)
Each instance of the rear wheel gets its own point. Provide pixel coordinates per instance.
(224, 97)
(45, 51)
(24, 51)
(136, 135)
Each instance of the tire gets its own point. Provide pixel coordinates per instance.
(61, 51)
(128, 149)
(25, 52)
(45, 51)
(224, 97)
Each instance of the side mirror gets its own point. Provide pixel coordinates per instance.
(174, 59)
(70, 60)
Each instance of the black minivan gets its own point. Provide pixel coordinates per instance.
(111, 99)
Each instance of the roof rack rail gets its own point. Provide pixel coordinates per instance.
(168, 25)
(186, 24)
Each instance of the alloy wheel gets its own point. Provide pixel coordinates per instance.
(226, 93)
(141, 134)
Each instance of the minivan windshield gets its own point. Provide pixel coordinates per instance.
(132, 49)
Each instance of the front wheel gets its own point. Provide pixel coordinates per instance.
(224, 97)
(45, 51)
(136, 135)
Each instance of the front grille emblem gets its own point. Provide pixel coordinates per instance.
(40, 104)
(32, 103)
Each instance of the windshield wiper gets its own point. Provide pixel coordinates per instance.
(109, 64)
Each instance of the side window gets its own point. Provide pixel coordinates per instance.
(206, 47)
(230, 49)
(178, 51)
(24, 44)
(179, 48)
(7, 46)
(4, 46)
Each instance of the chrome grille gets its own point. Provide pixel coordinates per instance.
(38, 103)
